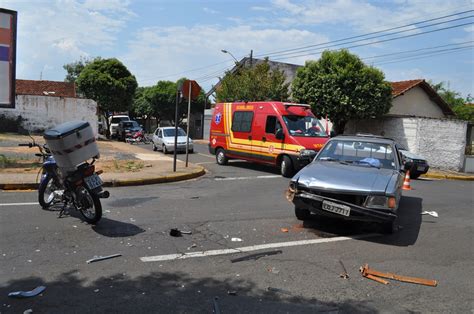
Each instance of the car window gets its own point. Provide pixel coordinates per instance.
(242, 121)
(170, 132)
(360, 153)
(304, 126)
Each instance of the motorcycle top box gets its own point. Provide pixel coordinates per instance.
(72, 143)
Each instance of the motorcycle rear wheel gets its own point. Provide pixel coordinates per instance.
(88, 205)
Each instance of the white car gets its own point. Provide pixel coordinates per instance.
(114, 122)
(163, 139)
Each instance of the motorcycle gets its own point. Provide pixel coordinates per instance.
(136, 137)
(82, 187)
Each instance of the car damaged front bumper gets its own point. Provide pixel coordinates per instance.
(337, 208)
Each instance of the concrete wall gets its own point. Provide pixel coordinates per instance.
(43, 112)
(416, 102)
(442, 142)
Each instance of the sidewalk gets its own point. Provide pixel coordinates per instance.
(123, 165)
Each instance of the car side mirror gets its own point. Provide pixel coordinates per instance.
(407, 165)
(279, 134)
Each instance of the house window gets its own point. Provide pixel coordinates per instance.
(270, 125)
(242, 121)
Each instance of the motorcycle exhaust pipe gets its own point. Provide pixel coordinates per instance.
(103, 194)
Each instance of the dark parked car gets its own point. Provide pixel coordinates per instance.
(354, 178)
(127, 127)
(419, 164)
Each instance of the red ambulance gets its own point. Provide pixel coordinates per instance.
(286, 135)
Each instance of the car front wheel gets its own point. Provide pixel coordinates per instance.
(154, 147)
(302, 213)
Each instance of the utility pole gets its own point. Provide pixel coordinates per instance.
(251, 57)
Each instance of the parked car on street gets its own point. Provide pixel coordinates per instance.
(163, 139)
(125, 128)
(114, 122)
(354, 178)
(419, 164)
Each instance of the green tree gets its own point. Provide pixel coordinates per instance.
(255, 83)
(110, 84)
(75, 68)
(342, 87)
(461, 106)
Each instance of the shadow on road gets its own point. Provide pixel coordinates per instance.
(409, 220)
(162, 292)
(253, 166)
(131, 201)
(116, 229)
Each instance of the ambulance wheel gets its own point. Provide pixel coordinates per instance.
(221, 157)
(286, 167)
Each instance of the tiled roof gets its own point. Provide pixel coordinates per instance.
(45, 88)
(401, 87)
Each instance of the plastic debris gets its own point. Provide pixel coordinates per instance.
(236, 240)
(431, 213)
(284, 229)
(175, 233)
(96, 290)
(28, 311)
(344, 275)
(101, 258)
(27, 294)
(192, 246)
(186, 232)
(232, 292)
(273, 270)
(255, 256)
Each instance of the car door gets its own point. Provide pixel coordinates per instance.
(272, 146)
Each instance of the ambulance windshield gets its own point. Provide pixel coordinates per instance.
(304, 126)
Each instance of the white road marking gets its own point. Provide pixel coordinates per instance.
(206, 155)
(205, 163)
(248, 178)
(252, 248)
(19, 204)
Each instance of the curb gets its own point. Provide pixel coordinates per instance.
(447, 177)
(116, 183)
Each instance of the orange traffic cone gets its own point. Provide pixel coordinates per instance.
(406, 182)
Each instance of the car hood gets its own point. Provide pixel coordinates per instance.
(329, 175)
(181, 139)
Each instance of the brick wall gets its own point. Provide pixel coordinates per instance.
(442, 142)
(43, 112)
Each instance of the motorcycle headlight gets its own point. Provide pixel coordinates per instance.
(380, 202)
(307, 152)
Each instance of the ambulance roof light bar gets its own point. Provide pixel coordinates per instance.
(306, 106)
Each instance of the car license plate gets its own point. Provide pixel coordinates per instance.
(420, 168)
(336, 208)
(93, 181)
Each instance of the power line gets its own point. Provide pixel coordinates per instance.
(368, 34)
(379, 41)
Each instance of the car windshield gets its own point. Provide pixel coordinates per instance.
(359, 153)
(130, 124)
(304, 126)
(118, 119)
(170, 132)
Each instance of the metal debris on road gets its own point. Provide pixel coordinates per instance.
(255, 256)
(101, 258)
(186, 232)
(217, 310)
(371, 273)
(27, 294)
(236, 240)
(344, 275)
(431, 213)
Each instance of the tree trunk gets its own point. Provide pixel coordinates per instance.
(339, 127)
(107, 123)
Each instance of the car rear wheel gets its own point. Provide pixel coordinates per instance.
(154, 147)
(221, 158)
(302, 213)
(165, 150)
(286, 167)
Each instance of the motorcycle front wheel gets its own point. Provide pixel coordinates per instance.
(47, 192)
(89, 205)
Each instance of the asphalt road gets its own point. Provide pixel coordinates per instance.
(241, 201)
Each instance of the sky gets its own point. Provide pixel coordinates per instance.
(170, 39)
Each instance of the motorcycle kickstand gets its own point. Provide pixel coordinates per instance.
(63, 209)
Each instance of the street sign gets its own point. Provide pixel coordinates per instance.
(195, 89)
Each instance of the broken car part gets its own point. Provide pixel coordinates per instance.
(431, 213)
(420, 281)
(101, 258)
(27, 294)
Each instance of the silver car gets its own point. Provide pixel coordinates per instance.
(354, 178)
(163, 139)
